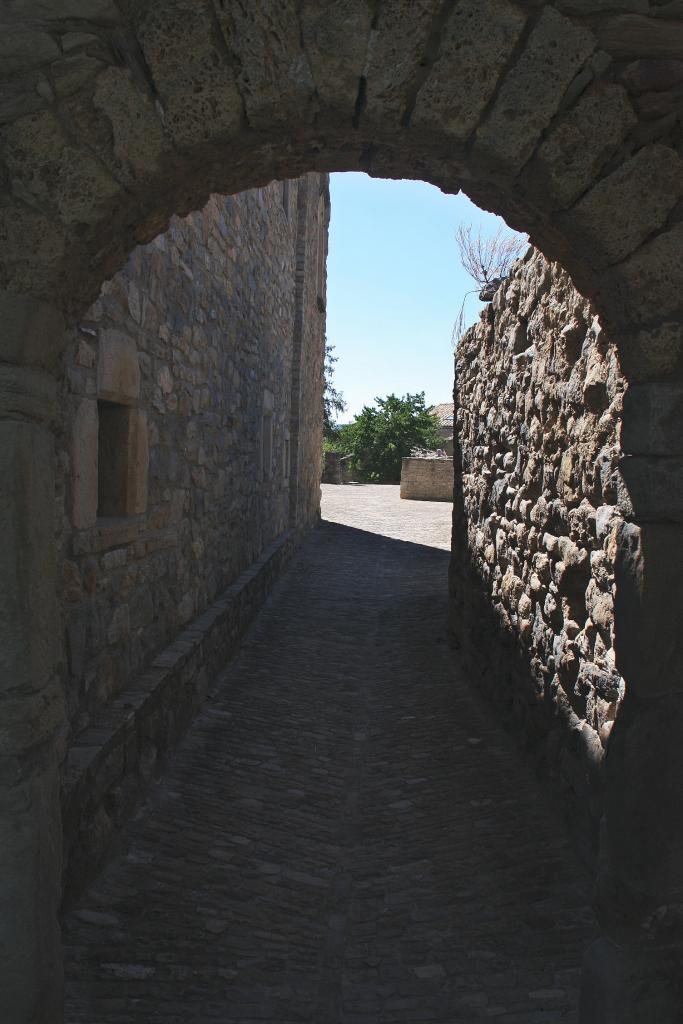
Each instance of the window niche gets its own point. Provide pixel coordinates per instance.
(122, 457)
(122, 444)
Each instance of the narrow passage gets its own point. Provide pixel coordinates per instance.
(345, 835)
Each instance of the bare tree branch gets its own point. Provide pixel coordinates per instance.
(488, 258)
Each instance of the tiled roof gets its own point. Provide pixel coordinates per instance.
(444, 413)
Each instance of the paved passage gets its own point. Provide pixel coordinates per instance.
(345, 834)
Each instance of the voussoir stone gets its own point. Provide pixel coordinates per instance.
(475, 46)
(533, 89)
(648, 283)
(274, 75)
(624, 208)
(579, 145)
(336, 37)
(634, 36)
(194, 80)
(138, 135)
(397, 55)
(78, 186)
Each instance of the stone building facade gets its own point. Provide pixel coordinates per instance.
(190, 408)
(539, 395)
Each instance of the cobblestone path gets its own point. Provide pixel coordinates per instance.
(345, 834)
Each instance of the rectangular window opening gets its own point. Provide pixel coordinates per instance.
(113, 459)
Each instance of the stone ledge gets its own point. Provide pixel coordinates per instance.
(110, 764)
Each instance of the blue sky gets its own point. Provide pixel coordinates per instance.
(394, 286)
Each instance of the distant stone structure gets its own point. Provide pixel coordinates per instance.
(444, 412)
(427, 479)
(188, 456)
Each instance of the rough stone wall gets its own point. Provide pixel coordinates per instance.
(308, 355)
(538, 402)
(427, 479)
(196, 340)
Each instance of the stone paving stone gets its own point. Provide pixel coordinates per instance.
(345, 836)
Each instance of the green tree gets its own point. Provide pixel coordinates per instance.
(381, 436)
(333, 400)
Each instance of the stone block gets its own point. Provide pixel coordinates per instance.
(396, 56)
(648, 280)
(655, 487)
(631, 35)
(649, 596)
(652, 421)
(336, 34)
(84, 465)
(533, 89)
(118, 369)
(22, 48)
(191, 71)
(652, 353)
(274, 75)
(575, 150)
(622, 210)
(476, 44)
(138, 135)
(78, 186)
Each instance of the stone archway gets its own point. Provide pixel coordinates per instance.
(561, 117)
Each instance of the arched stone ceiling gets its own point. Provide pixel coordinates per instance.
(563, 117)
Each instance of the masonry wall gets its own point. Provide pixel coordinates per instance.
(427, 479)
(187, 389)
(538, 399)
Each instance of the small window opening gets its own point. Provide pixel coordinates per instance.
(267, 444)
(285, 197)
(113, 458)
(285, 460)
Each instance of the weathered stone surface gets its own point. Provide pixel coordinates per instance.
(652, 353)
(194, 80)
(77, 186)
(649, 566)
(336, 35)
(533, 536)
(653, 420)
(576, 149)
(464, 75)
(396, 55)
(533, 89)
(631, 35)
(274, 75)
(624, 208)
(647, 285)
(22, 48)
(118, 368)
(427, 479)
(655, 487)
(138, 134)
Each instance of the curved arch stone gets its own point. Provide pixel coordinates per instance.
(114, 115)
